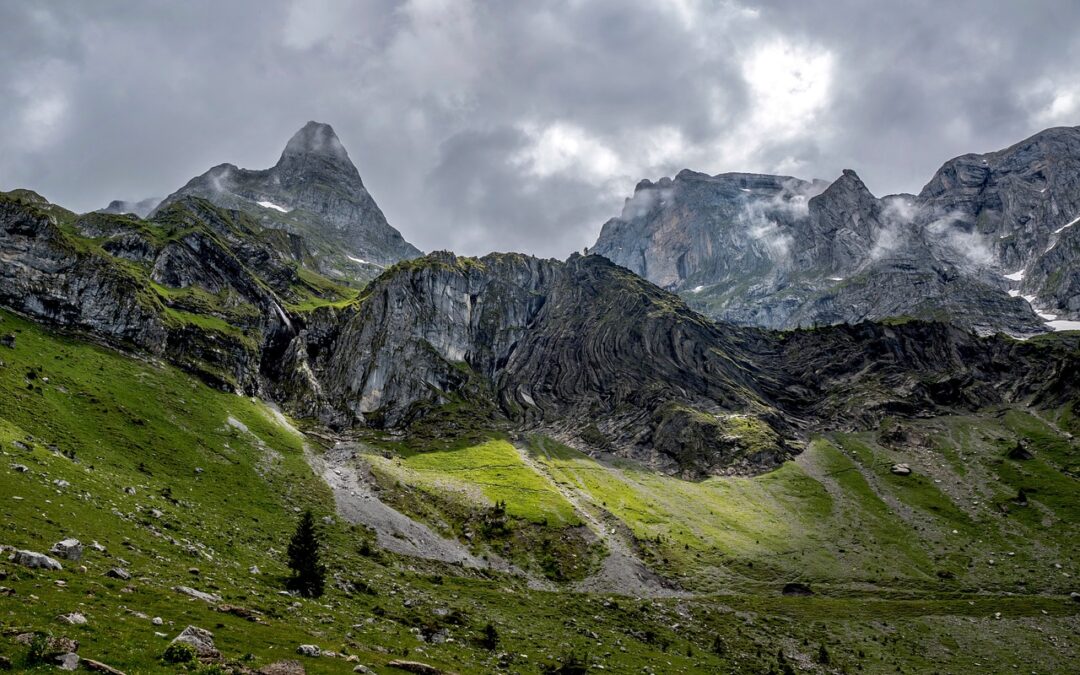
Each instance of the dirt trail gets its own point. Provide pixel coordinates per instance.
(621, 571)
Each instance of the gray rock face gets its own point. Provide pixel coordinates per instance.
(778, 252)
(315, 191)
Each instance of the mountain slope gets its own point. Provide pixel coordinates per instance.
(779, 252)
(314, 191)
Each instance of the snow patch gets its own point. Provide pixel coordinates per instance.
(836, 278)
(363, 262)
(1066, 226)
(1015, 276)
(1013, 293)
(272, 205)
(1062, 324)
(697, 289)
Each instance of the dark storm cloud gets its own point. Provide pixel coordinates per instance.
(521, 126)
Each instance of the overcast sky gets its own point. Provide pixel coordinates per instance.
(482, 126)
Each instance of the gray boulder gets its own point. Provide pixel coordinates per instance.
(36, 560)
(199, 638)
(308, 650)
(68, 549)
(69, 661)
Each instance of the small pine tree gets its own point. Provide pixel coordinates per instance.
(309, 575)
(490, 640)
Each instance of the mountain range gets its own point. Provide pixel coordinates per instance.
(989, 242)
(762, 421)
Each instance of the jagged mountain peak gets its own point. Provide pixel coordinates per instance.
(314, 191)
(318, 139)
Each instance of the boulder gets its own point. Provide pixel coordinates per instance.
(119, 573)
(36, 560)
(69, 661)
(308, 650)
(20, 468)
(1020, 452)
(901, 469)
(199, 638)
(54, 646)
(1075, 596)
(363, 669)
(73, 618)
(68, 549)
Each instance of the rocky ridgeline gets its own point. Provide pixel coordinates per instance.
(986, 243)
(582, 349)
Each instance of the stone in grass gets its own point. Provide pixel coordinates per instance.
(119, 573)
(68, 661)
(20, 468)
(198, 595)
(416, 667)
(1075, 596)
(36, 560)
(901, 469)
(363, 669)
(283, 668)
(73, 618)
(68, 549)
(100, 667)
(308, 650)
(796, 588)
(199, 638)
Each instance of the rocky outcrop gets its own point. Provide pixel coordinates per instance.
(983, 243)
(313, 191)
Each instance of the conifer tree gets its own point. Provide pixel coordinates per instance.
(309, 575)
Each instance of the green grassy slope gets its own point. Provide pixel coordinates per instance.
(870, 544)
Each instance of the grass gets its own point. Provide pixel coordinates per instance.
(102, 421)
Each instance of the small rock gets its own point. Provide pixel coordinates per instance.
(36, 560)
(94, 546)
(1075, 596)
(156, 513)
(363, 669)
(118, 573)
(199, 595)
(8, 340)
(68, 549)
(415, 667)
(901, 469)
(100, 667)
(198, 469)
(157, 621)
(194, 571)
(61, 483)
(74, 618)
(20, 468)
(81, 569)
(308, 650)
(68, 661)
(129, 490)
(254, 569)
(199, 638)
(283, 668)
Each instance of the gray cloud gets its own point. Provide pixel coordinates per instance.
(485, 126)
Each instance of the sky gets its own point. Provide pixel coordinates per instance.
(481, 126)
